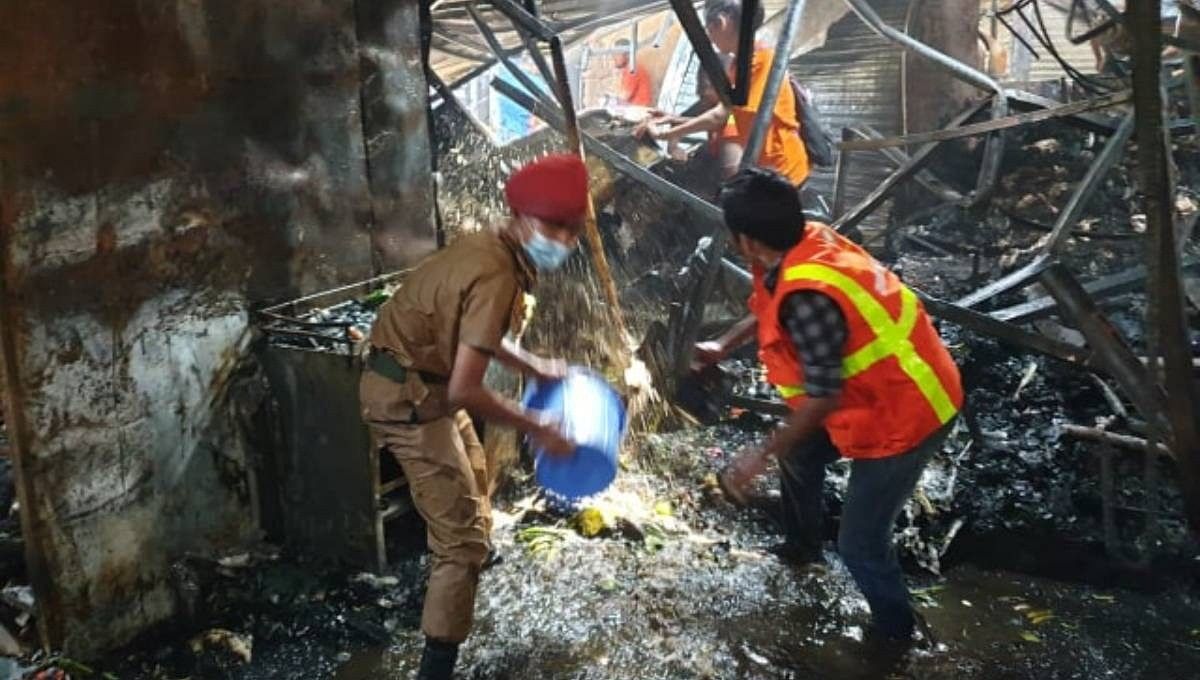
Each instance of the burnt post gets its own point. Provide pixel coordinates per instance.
(1166, 316)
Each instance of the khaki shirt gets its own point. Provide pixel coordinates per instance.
(471, 291)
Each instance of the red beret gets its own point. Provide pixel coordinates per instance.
(554, 189)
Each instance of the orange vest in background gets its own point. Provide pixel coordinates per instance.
(901, 384)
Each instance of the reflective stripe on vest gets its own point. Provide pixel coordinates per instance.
(790, 391)
(892, 337)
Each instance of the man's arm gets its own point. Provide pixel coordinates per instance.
(717, 350)
(712, 119)
(466, 391)
(527, 364)
(818, 331)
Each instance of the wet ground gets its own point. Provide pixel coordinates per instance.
(678, 585)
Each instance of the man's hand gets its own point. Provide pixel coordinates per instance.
(547, 370)
(549, 438)
(705, 354)
(653, 128)
(737, 478)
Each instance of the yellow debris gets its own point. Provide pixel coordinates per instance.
(590, 522)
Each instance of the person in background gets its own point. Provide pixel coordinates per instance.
(429, 350)
(635, 83)
(783, 150)
(853, 352)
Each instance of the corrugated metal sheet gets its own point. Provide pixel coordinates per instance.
(855, 80)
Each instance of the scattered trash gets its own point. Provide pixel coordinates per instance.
(1030, 637)
(655, 538)
(238, 561)
(1026, 378)
(541, 542)
(589, 522)
(1039, 616)
(375, 581)
(225, 644)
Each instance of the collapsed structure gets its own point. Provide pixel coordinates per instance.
(136, 424)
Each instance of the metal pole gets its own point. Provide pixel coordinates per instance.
(1112, 152)
(995, 145)
(527, 21)
(745, 51)
(623, 164)
(527, 39)
(693, 28)
(775, 80)
(633, 46)
(449, 97)
(498, 50)
(841, 171)
(662, 31)
(579, 28)
(873, 200)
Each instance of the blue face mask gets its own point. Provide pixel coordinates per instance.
(546, 254)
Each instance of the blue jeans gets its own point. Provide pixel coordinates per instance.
(877, 492)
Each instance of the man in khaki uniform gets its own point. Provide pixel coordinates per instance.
(430, 347)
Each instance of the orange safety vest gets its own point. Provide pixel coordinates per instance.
(901, 384)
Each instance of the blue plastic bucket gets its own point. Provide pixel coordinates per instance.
(593, 415)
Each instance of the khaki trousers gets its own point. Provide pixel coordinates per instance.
(450, 480)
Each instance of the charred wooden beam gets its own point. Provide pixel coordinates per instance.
(1112, 353)
(1006, 332)
(1166, 314)
(1122, 440)
(1101, 289)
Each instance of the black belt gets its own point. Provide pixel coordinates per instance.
(386, 365)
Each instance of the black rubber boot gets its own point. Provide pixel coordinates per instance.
(437, 661)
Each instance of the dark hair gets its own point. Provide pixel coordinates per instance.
(731, 9)
(621, 42)
(765, 206)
